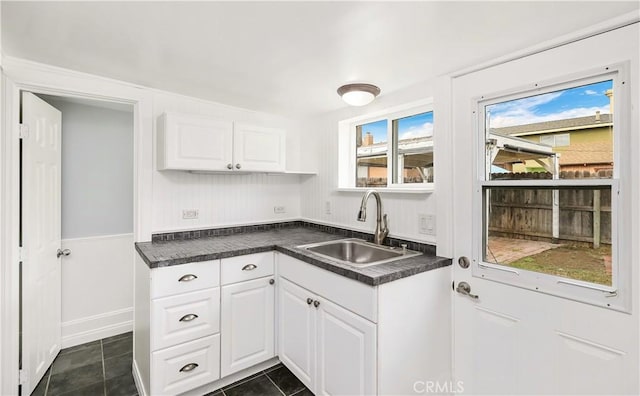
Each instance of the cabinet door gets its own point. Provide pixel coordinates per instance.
(258, 148)
(194, 143)
(247, 324)
(296, 330)
(346, 352)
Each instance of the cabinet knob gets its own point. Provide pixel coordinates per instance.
(188, 318)
(238, 166)
(309, 301)
(271, 281)
(229, 166)
(187, 278)
(188, 367)
(316, 303)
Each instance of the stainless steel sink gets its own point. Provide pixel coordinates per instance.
(357, 252)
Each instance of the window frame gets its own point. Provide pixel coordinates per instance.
(618, 295)
(347, 161)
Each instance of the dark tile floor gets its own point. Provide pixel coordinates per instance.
(100, 367)
(104, 368)
(274, 381)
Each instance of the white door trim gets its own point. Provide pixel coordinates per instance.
(19, 75)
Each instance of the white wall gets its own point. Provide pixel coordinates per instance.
(321, 133)
(224, 199)
(97, 169)
(97, 288)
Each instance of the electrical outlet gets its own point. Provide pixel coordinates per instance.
(190, 214)
(327, 207)
(279, 209)
(427, 224)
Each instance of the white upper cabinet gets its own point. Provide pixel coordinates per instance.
(258, 149)
(199, 143)
(188, 142)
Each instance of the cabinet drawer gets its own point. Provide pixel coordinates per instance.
(184, 317)
(185, 366)
(167, 281)
(242, 268)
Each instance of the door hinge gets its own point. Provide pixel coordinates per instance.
(22, 254)
(24, 131)
(23, 377)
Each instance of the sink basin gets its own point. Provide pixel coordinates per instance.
(357, 252)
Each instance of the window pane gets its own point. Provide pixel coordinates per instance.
(564, 134)
(571, 239)
(413, 149)
(371, 154)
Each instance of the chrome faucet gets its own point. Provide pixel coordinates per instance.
(381, 220)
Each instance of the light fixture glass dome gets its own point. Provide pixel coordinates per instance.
(358, 94)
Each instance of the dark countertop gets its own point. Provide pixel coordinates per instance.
(167, 253)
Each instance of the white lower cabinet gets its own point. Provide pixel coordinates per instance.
(199, 325)
(297, 331)
(345, 351)
(330, 349)
(248, 317)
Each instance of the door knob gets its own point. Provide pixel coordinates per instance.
(309, 301)
(63, 252)
(238, 166)
(229, 166)
(316, 303)
(465, 288)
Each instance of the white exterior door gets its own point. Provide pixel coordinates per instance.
(296, 329)
(346, 352)
(258, 148)
(514, 339)
(248, 332)
(41, 232)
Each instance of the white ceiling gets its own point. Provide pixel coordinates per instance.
(284, 57)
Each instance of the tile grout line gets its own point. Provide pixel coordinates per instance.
(242, 381)
(104, 376)
(274, 384)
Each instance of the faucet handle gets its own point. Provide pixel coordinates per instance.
(384, 223)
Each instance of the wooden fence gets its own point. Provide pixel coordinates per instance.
(584, 215)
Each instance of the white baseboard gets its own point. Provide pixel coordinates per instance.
(80, 331)
(138, 380)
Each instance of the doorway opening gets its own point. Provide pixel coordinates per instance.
(76, 227)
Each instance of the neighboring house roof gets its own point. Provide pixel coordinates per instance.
(569, 124)
(586, 153)
(419, 144)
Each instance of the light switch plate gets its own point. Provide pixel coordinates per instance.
(427, 224)
(279, 209)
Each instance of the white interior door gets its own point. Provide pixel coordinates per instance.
(516, 339)
(41, 232)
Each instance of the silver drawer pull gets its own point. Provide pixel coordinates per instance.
(188, 367)
(249, 267)
(187, 278)
(188, 318)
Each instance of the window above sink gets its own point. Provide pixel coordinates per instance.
(391, 150)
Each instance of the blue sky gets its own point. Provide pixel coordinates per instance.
(570, 103)
(408, 127)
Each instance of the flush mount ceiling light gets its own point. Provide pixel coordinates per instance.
(358, 94)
